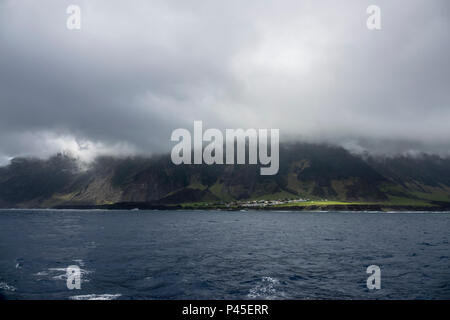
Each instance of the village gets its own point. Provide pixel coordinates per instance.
(264, 203)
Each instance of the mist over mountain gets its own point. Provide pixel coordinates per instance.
(307, 171)
(134, 73)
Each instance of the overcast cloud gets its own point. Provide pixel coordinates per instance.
(139, 69)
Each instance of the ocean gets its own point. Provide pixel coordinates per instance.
(223, 254)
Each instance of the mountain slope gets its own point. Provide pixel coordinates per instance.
(307, 171)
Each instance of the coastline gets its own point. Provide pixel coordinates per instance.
(437, 207)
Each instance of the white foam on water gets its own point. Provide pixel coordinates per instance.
(266, 289)
(63, 276)
(105, 296)
(57, 269)
(7, 287)
(80, 262)
(51, 272)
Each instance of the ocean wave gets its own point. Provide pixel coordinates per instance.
(266, 289)
(62, 274)
(104, 296)
(7, 287)
(19, 263)
(80, 262)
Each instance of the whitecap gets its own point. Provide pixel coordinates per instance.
(7, 287)
(57, 269)
(61, 274)
(80, 262)
(266, 289)
(105, 296)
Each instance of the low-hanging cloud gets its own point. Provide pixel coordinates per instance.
(137, 70)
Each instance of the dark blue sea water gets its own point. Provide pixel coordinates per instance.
(223, 255)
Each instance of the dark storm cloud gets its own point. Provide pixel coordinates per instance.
(136, 71)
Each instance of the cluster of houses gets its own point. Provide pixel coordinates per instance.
(264, 203)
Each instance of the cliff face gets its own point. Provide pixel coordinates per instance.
(306, 171)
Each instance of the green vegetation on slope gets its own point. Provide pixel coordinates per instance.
(309, 172)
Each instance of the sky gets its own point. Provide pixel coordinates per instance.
(137, 70)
